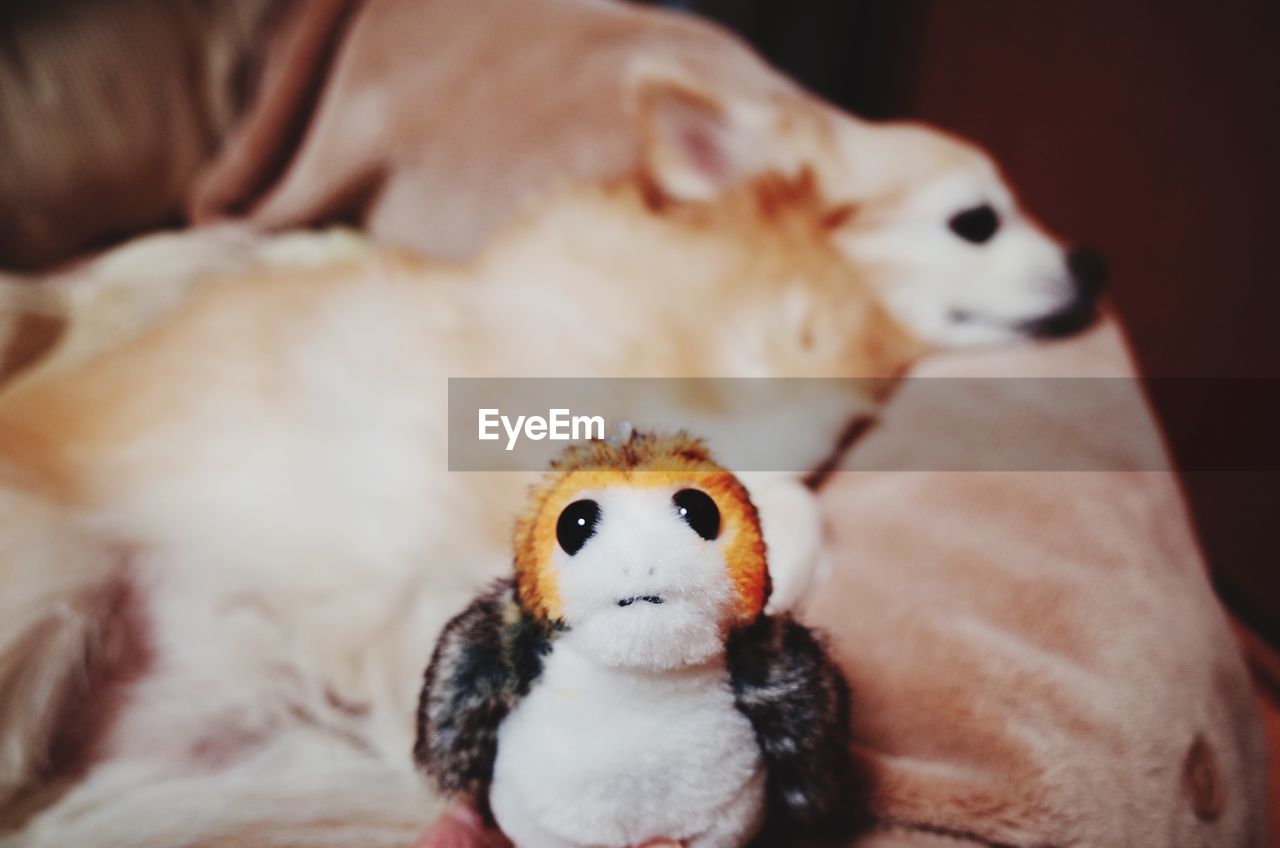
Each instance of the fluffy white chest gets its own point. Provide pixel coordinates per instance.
(594, 756)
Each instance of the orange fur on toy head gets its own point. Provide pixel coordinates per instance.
(643, 460)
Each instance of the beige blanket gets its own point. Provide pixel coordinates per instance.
(1036, 657)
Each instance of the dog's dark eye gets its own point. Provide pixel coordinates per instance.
(577, 524)
(699, 512)
(976, 225)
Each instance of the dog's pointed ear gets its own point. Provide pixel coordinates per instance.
(693, 146)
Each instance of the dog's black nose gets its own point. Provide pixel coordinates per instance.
(1088, 277)
(1088, 270)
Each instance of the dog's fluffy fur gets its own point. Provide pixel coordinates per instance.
(263, 478)
(229, 539)
(440, 122)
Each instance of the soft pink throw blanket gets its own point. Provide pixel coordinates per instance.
(1036, 657)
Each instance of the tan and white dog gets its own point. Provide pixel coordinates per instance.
(228, 540)
(443, 121)
(437, 128)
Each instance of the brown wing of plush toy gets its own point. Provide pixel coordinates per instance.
(798, 703)
(483, 664)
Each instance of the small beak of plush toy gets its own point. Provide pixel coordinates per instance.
(648, 599)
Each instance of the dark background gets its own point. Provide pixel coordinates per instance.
(1147, 128)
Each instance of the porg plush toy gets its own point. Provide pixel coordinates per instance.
(626, 686)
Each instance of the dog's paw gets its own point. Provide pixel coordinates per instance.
(793, 534)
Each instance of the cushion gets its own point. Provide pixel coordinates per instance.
(1036, 656)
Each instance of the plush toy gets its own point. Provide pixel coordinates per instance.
(627, 686)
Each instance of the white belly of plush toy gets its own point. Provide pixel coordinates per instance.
(601, 757)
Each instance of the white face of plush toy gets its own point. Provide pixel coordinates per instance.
(642, 576)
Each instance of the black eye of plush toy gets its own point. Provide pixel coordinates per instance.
(577, 524)
(699, 512)
(975, 225)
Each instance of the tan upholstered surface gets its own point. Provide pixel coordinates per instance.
(1037, 658)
